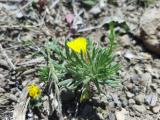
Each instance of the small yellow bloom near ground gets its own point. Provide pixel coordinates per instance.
(77, 45)
(34, 91)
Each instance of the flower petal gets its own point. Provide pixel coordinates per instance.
(79, 44)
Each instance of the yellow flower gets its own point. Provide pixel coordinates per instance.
(79, 44)
(34, 91)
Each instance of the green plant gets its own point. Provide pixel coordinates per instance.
(95, 67)
(85, 64)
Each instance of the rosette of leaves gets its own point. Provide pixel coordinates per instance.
(96, 67)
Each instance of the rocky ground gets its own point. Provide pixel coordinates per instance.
(25, 27)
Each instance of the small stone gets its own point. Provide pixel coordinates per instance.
(131, 102)
(95, 10)
(138, 114)
(146, 78)
(131, 113)
(19, 15)
(124, 103)
(111, 104)
(2, 90)
(135, 78)
(151, 99)
(111, 116)
(158, 91)
(139, 108)
(30, 114)
(100, 116)
(155, 109)
(120, 115)
(125, 40)
(149, 25)
(35, 117)
(131, 8)
(116, 100)
(102, 4)
(154, 86)
(103, 99)
(130, 86)
(2, 76)
(136, 89)
(139, 99)
(147, 107)
(128, 55)
(129, 94)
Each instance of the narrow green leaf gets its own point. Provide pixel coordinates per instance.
(65, 82)
(89, 2)
(77, 58)
(89, 58)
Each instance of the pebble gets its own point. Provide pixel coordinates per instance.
(120, 115)
(2, 90)
(151, 99)
(131, 102)
(131, 113)
(100, 116)
(135, 78)
(103, 99)
(155, 109)
(139, 99)
(102, 4)
(111, 104)
(130, 86)
(139, 108)
(35, 117)
(116, 100)
(30, 114)
(158, 91)
(129, 94)
(128, 55)
(2, 76)
(146, 78)
(149, 24)
(131, 8)
(19, 15)
(137, 89)
(124, 103)
(95, 10)
(125, 40)
(154, 86)
(111, 116)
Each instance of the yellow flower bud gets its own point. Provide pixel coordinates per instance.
(34, 91)
(77, 45)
